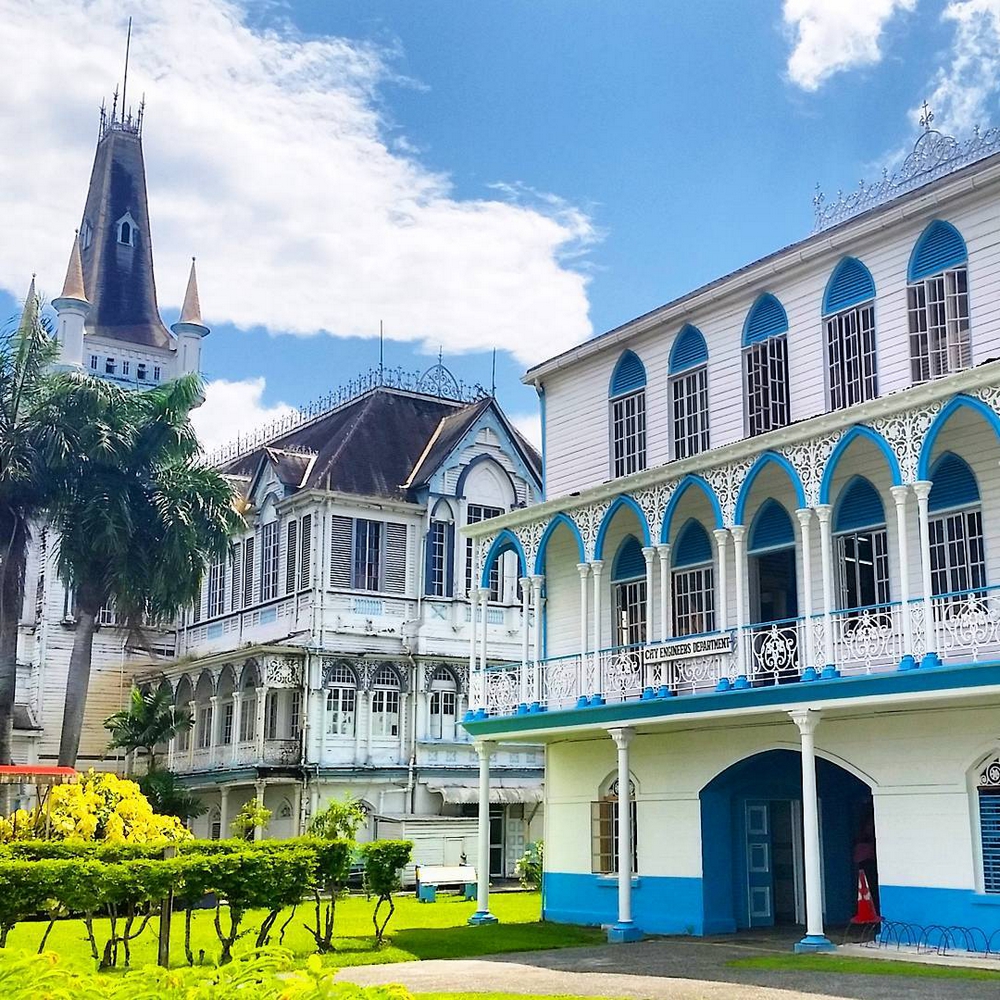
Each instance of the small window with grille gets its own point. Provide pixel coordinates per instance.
(604, 833)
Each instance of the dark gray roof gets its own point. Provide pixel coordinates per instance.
(119, 279)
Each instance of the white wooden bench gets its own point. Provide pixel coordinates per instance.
(430, 878)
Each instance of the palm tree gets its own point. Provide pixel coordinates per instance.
(25, 356)
(138, 515)
(150, 720)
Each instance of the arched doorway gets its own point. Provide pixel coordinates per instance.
(752, 855)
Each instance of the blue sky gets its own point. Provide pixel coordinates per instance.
(545, 170)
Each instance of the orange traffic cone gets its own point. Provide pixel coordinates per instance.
(866, 908)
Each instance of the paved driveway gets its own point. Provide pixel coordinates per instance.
(664, 969)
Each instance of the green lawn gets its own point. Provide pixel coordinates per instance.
(850, 966)
(417, 930)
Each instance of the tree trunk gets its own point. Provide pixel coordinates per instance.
(13, 553)
(77, 683)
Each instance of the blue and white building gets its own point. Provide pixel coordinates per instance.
(768, 653)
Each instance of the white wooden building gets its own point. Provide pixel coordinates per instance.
(769, 654)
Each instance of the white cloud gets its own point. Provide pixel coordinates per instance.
(969, 77)
(267, 156)
(530, 425)
(234, 408)
(830, 36)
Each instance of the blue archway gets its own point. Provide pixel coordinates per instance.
(768, 458)
(547, 534)
(954, 405)
(690, 482)
(858, 431)
(622, 501)
(506, 541)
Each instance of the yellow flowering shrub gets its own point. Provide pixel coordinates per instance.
(99, 806)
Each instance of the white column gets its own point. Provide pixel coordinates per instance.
(370, 728)
(484, 606)
(815, 939)
(740, 559)
(237, 722)
(477, 685)
(482, 915)
(823, 512)
(223, 811)
(663, 551)
(649, 554)
(260, 788)
(624, 929)
(721, 587)
(923, 492)
(525, 636)
(597, 565)
(261, 720)
(899, 496)
(537, 586)
(804, 514)
(192, 733)
(581, 685)
(214, 720)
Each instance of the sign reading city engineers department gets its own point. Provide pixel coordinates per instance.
(699, 646)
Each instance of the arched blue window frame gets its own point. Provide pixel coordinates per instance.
(692, 546)
(629, 563)
(627, 405)
(849, 325)
(861, 547)
(937, 299)
(770, 529)
(859, 506)
(693, 581)
(687, 368)
(957, 547)
(765, 366)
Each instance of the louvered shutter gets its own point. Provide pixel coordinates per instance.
(449, 560)
(341, 533)
(989, 828)
(236, 589)
(429, 587)
(305, 554)
(395, 558)
(291, 554)
(248, 560)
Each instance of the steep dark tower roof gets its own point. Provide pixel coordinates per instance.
(115, 245)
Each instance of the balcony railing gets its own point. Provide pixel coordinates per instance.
(965, 628)
(275, 752)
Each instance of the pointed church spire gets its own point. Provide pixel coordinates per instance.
(73, 285)
(30, 311)
(191, 310)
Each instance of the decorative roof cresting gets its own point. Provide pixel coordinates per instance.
(934, 155)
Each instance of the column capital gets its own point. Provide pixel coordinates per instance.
(583, 569)
(648, 553)
(473, 593)
(922, 488)
(237, 697)
(262, 690)
(721, 536)
(900, 494)
(738, 532)
(484, 748)
(214, 699)
(223, 792)
(663, 550)
(597, 565)
(804, 514)
(622, 737)
(537, 582)
(807, 719)
(192, 704)
(524, 581)
(824, 511)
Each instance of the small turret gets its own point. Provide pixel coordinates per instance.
(190, 329)
(72, 309)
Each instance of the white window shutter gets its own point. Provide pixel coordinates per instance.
(341, 537)
(395, 558)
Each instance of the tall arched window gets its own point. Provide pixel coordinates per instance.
(248, 706)
(988, 795)
(628, 584)
(861, 546)
(604, 829)
(693, 581)
(341, 700)
(937, 295)
(439, 568)
(688, 370)
(765, 365)
(443, 704)
(385, 703)
(628, 415)
(849, 318)
(958, 559)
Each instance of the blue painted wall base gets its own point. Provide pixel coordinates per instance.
(479, 918)
(812, 943)
(624, 933)
(941, 907)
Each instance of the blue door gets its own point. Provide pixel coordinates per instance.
(760, 876)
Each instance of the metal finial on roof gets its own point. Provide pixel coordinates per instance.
(926, 116)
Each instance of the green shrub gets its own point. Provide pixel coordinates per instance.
(529, 865)
(333, 866)
(384, 860)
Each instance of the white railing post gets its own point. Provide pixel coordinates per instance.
(649, 554)
(815, 939)
(598, 566)
(584, 570)
(931, 657)
(721, 588)
(624, 929)
(804, 514)
(663, 551)
(522, 686)
(899, 496)
(740, 555)
(484, 749)
(823, 512)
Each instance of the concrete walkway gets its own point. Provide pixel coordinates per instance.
(664, 969)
